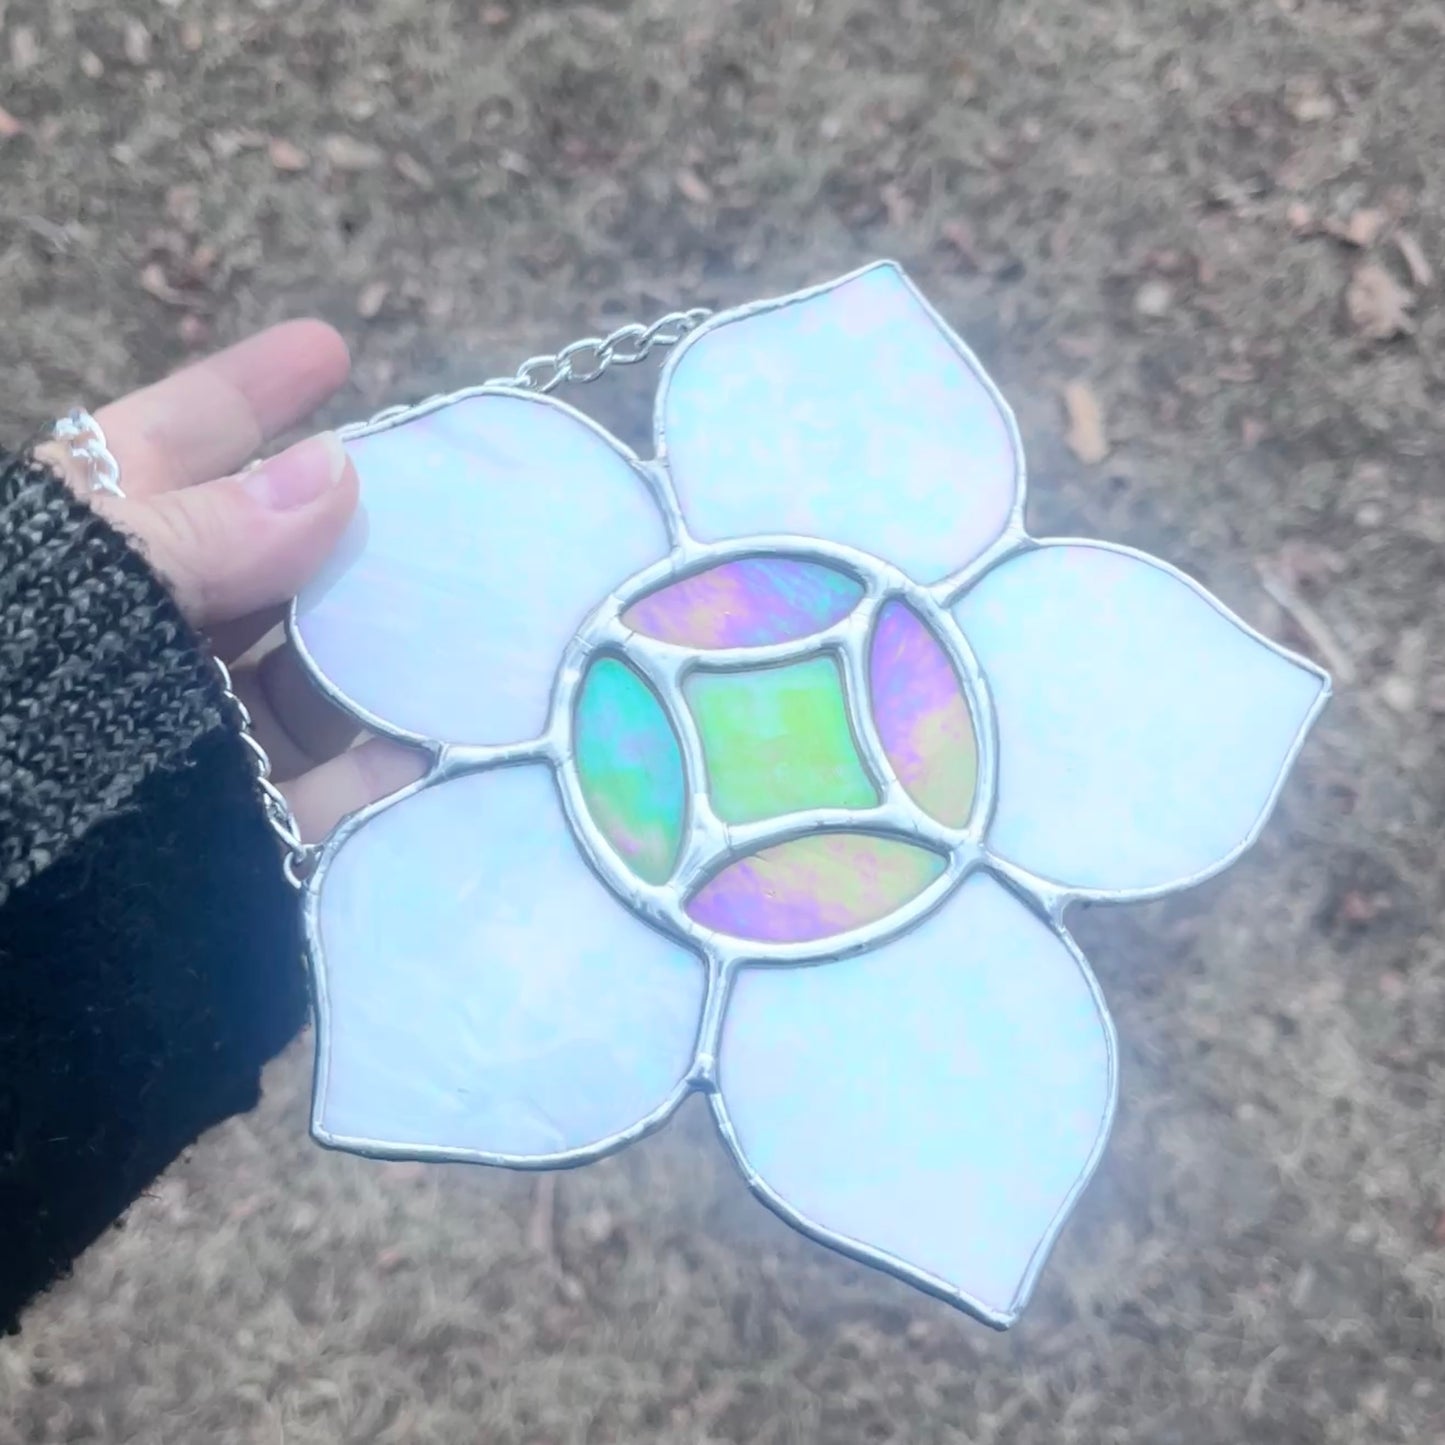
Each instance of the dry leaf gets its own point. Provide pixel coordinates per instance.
(694, 187)
(1365, 227)
(347, 153)
(1237, 373)
(1356, 906)
(1154, 299)
(388, 1261)
(1086, 438)
(1308, 101)
(372, 299)
(228, 143)
(411, 169)
(137, 42)
(1399, 694)
(153, 282)
(287, 157)
(1310, 565)
(959, 234)
(24, 52)
(202, 261)
(1362, 229)
(10, 127)
(896, 205)
(1169, 262)
(192, 37)
(183, 206)
(1421, 272)
(1378, 306)
(598, 1227)
(193, 330)
(1300, 219)
(1079, 348)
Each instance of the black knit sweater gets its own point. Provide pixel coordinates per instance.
(149, 957)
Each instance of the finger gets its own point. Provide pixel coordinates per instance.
(207, 419)
(234, 546)
(317, 725)
(232, 640)
(287, 758)
(324, 796)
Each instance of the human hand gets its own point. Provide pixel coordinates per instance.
(235, 546)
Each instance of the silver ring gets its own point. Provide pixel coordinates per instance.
(82, 436)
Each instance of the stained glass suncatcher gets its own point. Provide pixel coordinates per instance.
(767, 769)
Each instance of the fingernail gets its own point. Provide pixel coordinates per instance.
(299, 475)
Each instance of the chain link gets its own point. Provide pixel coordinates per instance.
(582, 361)
(298, 857)
(589, 358)
(81, 434)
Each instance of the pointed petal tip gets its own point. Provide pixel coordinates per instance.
(944, 1134)
(1145, 730)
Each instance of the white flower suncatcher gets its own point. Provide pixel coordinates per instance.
(767, 768)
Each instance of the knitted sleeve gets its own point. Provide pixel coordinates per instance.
(100, 682)
(149, 951)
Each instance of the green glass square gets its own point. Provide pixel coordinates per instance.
(777, 740)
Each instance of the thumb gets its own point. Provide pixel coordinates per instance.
(233, 546)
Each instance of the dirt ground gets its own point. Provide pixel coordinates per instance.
(1224, 218)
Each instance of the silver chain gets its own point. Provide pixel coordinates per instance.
(589, 358)
(81, 435)
(297, 856)
(581, 362)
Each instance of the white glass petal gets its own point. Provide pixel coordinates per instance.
(933, 1107)
(850, 413)
(489, 528)
(482, 994)
(1143, 730)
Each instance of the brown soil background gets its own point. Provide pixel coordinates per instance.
(1167, 200)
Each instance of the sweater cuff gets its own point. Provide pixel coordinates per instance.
(102, 681)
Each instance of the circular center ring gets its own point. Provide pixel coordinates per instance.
(776, 748)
